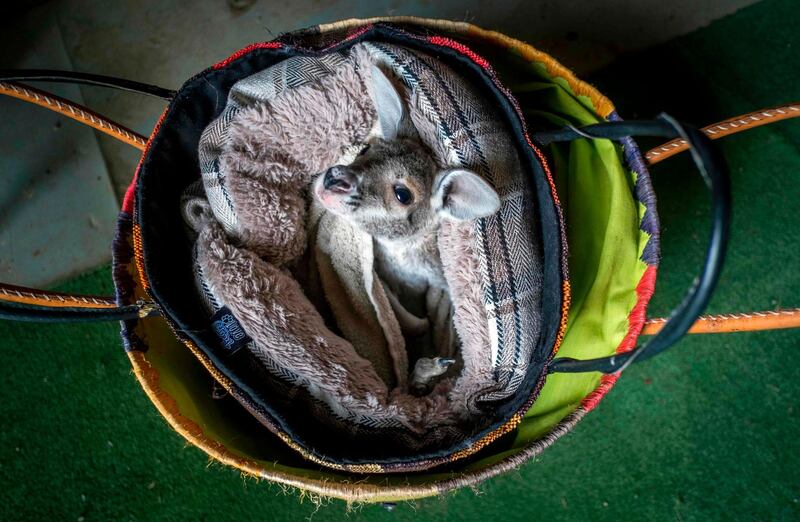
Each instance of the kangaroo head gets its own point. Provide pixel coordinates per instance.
(394, 189)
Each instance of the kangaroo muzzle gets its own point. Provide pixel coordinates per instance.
(340, 180)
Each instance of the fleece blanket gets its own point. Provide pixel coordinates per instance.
(335, 334)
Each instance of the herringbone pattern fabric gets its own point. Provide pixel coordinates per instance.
(469, 136)
(474, 138)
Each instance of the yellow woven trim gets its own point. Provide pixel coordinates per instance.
(138, 256)
(565, 304)
(509, 426)
(602, 105)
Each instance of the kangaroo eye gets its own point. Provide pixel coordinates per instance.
(403, 195)
(364, 150)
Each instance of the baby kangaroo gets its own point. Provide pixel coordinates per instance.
(395, 192)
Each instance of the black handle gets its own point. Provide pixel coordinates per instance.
(714, 170)
(49, 75)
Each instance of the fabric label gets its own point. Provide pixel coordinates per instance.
(229, 331)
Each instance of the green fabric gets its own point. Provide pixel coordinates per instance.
(707, 430)
(605, 244)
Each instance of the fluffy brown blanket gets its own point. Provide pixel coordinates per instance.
(257, 237)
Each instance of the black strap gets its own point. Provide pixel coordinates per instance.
(48, 75)
(714, 170)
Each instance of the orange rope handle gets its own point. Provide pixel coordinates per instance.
(737, 322)
(740, 322)
(74, 111)
(18, 294)
(726, 128)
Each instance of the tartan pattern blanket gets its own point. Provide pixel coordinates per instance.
(459, 127)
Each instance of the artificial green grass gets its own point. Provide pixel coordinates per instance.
(708, 430)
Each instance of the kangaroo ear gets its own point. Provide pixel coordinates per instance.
(463, 195)
(388, 104)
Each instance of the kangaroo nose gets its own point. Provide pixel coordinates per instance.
(338, 179)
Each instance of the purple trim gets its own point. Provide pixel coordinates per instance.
(124, 284)
(644, 193)
(121, 257)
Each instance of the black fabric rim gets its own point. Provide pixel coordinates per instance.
(170, 164)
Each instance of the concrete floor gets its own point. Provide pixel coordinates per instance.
(167, 41)
(57, 205)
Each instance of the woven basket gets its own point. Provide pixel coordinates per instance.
(160, 360)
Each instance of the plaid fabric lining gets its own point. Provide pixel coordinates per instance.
(509, 252)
